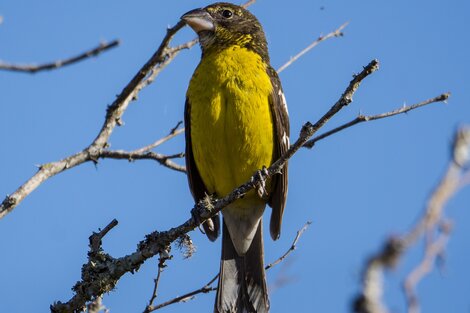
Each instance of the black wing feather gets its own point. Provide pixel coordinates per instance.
(198, 189)
(278, 196)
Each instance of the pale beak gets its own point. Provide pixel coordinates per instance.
(199, 20)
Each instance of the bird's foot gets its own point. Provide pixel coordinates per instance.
(259, 182)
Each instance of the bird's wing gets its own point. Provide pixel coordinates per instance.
(278, 196)
(198, 189)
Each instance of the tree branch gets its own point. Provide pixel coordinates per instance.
(367, 118)
(173, 133)
(160, 59)
(292, 247)
(337, 33)
(164, 160)
(370, 299)
(186, 297)
(161, 265)
(248, 3)
(432, 251)
(32, 68)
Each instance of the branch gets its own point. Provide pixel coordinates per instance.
(95, 238)
(370, 299)
(161, 265)
(433, 250)
(292, 247)
(32, 68)
(164, 160)
(144, 153)
(337, 33)
(187, 296)
(208, 287)
(368, 118)
(160, 59)
(173, 133)
(248, 3)
(102, 272)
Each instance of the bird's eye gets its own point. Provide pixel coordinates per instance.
(227, 13)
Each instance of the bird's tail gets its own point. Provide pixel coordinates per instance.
(242, 281)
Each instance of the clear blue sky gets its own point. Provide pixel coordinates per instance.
(357, 187)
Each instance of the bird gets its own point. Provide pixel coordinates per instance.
(236, 125)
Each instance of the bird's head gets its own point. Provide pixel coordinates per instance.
(221, 25)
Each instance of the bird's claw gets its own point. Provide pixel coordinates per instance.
(260, 185)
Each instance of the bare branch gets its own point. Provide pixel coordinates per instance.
(173, 133)
(433, 250)
(95, 238)
(292, 247)
(248, 3)
(367, 118)
(187, 296)
(184, 46)
(164, 160)
(337, 33)
(32, 68)
(370, 300)
(161, 265)
(161, 58)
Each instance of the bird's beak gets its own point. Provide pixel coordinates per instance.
(199, 20)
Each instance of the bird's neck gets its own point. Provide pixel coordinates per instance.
(215, 43)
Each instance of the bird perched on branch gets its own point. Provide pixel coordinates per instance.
(236, 123)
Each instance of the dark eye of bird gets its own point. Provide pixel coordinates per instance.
(227, 13)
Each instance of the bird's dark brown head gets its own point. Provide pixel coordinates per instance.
(221, 25)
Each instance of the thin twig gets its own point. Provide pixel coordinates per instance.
(164, 160)
(184, 46)
(187, 296)
(367, 118)
(292, 247)
(248, 3)
(337, 33)
(161, 265)
(32, 68)
(173, 133)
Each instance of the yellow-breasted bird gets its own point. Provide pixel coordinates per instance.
(236, 123)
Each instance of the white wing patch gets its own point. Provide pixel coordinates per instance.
(285, 140)
(283, 99)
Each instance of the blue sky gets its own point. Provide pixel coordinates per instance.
(358, 187)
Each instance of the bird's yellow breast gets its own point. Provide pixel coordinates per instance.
(231, 122)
